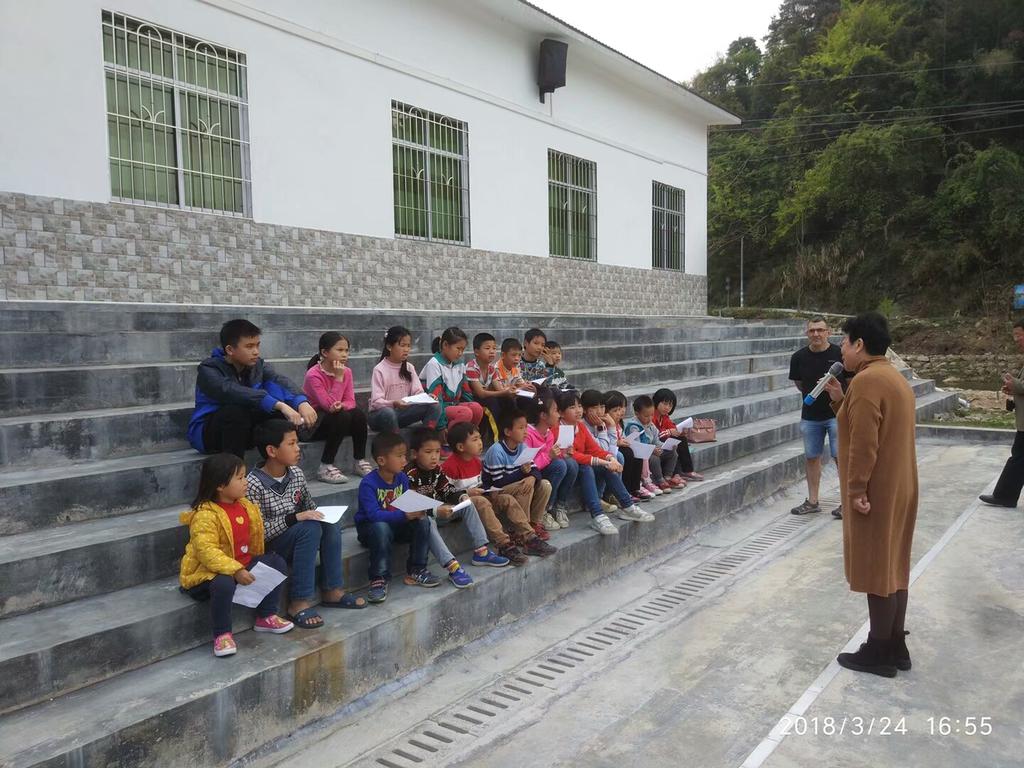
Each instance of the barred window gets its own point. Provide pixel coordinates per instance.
(668, 227)
(177, 118)
(431, 175)
(572, 206)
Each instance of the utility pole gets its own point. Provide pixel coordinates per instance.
(728, 294)
(741, 271)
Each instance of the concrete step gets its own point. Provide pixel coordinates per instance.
(21, 349)
(35, 440)
(99, 556)
(35, 498)
(78, 317)
(71, 388)
(191, 704)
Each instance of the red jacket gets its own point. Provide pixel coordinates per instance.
(664, 424)
(585, 448)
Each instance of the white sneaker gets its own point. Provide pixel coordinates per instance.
(363, 467)
(635, 514)
(549, 523)
(603, 525)
(328, 473)
(560, 515)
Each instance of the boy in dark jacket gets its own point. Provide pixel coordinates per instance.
(236, 390)
(426, 477)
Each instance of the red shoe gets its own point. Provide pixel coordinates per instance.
(677, 482)
(541, 531)
(665, 486)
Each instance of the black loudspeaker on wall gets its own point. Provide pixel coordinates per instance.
(551, 72)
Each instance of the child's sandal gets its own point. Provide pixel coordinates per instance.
(347, 601)
(307, 619)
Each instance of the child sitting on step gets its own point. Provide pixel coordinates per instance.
(295, 528)
(464, 470)
(532, 365)
(660, 467)
(379, 525)
(393, 379)
(236, 390)
(554, 464)
(444, 377)
(225, 540)
(632, 467)
(426, 477)
(331, 391)
(596, 462)
(556, 378)
(521, 481)
(607, 437)
(664, 405)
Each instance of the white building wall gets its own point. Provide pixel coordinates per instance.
(320, 89)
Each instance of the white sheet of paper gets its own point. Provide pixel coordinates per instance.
(669, 444)
(462, 505)
(422, 398)
(332, 514)
(525, 393)
(410, 501)
(633, 437)
(566, 434)
(685, 424)
(538, 381)
(642, 450)
(251, 595)
(527, 456)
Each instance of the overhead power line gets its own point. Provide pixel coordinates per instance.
(836, 78)
(750, 124)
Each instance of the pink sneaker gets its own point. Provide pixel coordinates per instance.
(644, 494)
(652, 488)
(274, 624)
(224, 645)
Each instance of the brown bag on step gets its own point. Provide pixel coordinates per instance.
(702, 431)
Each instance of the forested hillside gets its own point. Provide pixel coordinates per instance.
(880, 161)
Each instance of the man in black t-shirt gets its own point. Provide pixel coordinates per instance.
(806, 367)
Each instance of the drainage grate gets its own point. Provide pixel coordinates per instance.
(442, 736)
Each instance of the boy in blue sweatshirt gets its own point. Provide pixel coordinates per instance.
(379, 525)
(523, 483)
(236, 390)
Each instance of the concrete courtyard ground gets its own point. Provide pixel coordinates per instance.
(736, 670)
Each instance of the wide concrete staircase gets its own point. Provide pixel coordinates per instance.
(104, 662)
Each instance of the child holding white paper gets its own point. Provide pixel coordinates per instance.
(632, 467)
(661, 464)
(664, 405)
(225, 540)
(379, 524)
(426, 477)
(394, 380)
(595, 462)
(295, 528)
(444, 377)
(542, 432)
(607, 437)
(504, 468)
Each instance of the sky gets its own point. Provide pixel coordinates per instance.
(677, 38)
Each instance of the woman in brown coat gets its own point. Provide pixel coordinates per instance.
(878, 480)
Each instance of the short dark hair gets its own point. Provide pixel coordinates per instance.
(385, 442)
(614, 399)
(460, 433)
(567, 399)
(510, 344)
(664, 395)
(423, 435)
(533, 333)
(590, 398)
(482, 338)
(552, 344)
(509, 417)
(233, 331)
(1019, 322)
(642, 403)
(872, 328)
(816, 319)
(271, 432)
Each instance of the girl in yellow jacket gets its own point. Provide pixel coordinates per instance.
(225, 540)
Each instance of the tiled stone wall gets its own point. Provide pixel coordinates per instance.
(72, 250)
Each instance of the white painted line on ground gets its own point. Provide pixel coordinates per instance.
(782, 728)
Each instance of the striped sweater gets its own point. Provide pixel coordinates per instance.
(279, 502)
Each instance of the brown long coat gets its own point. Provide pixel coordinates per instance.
(877, 456)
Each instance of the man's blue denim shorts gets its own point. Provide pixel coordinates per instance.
(814, 437)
